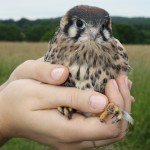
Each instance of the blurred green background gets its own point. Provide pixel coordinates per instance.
(27, 39)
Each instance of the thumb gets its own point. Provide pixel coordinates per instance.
(41, 71)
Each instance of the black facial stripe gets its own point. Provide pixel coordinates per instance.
(67, 26)
(103, 36)
(89, 14)
(102, 33)
(110, 32)
(79, 32)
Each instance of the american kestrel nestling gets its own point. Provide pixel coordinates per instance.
(85, 44)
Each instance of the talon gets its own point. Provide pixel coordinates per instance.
(116, 113)
(102, 121)
(60, 109)
(70, 115)
(113, 116)
(70, 109)
(114, 110)
(67, 111)
(115, 121)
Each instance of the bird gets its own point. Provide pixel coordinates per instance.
(84, 43)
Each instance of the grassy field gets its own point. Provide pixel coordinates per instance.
(12, 54)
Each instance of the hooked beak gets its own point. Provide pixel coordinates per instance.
(93, 34)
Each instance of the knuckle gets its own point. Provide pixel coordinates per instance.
(115, 132)
(121, 78)
(73, 98)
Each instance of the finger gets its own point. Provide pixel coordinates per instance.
(41, 71)
(55, 96)
(129, 84)
(99, 144)
(41, 59)
(132, 99)
(113, 94)
(78, 128)
(123, 84)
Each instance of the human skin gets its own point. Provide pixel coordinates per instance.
(28, 109)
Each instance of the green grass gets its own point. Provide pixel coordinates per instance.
(138, 137)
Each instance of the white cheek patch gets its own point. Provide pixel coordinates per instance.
(106, 34)
(72, 32)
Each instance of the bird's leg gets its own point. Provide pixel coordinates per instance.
(66, 111)
(114, 110)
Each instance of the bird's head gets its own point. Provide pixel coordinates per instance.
(87, 23)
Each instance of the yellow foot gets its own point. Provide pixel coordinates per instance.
(66, 111)
(113, 110)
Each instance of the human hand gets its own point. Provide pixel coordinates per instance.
(40, 71)
(32, 114)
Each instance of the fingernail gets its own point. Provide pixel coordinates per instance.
(132, 99)
(57, 73)
(98, 102)
(115, 84)
(129, 84)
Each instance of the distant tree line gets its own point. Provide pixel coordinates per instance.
(127, 30)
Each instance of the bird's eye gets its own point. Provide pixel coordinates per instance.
(79, 24)
(103, 26)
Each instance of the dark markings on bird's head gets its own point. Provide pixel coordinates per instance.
(67, 24)
(76, 20)
(91, 15)
(72, 27)
(78, 34)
